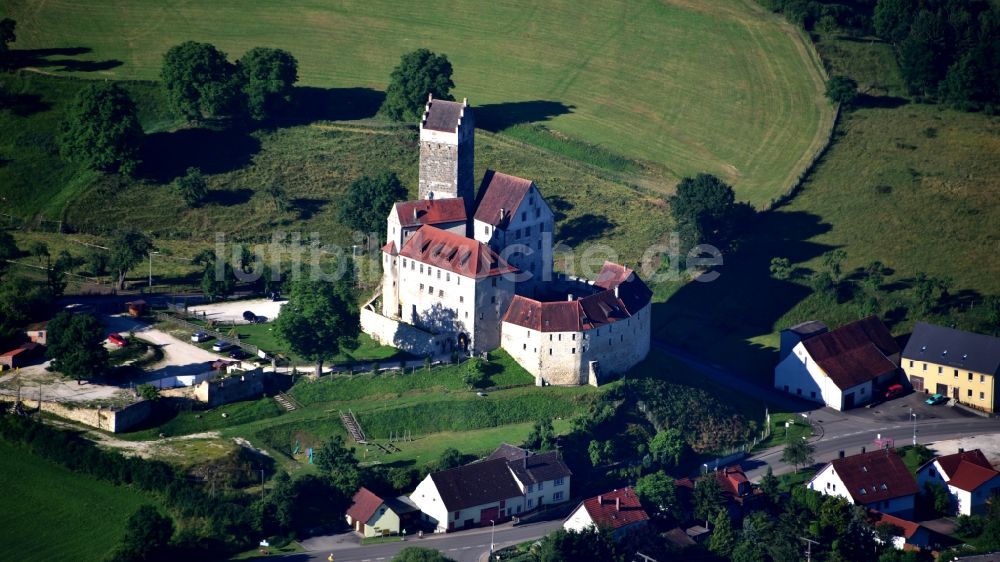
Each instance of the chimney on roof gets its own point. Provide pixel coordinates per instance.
(600, 500)
(862, 450)
(616, 291)
(618, 504)
(841, 454)
(569, 297)
(503, 213)
(414, 213)
(961, 450)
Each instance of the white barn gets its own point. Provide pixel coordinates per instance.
(843, 368)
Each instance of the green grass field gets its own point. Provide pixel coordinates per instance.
(723, 87)
(51, 513)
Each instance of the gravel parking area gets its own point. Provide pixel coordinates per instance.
(232, 311)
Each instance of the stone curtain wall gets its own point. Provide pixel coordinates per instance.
(438, 170)
(115, 421)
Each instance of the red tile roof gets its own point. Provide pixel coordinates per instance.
(455, 253)
(585, 313)
(967, 470)
(364, 504)
(390, 248)
(430, 211)
(615, 509)
(881, 474)
(909, 528)
(27, 348)
(443, 115)
(854, 353)
(734, 482)
(498, 192)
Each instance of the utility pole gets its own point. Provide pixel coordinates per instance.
(913, 415)
(809, 543)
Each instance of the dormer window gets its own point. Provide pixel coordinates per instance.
(863, 492)
(923, 348)
(883, 487)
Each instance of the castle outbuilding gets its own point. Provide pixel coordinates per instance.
(471, 272)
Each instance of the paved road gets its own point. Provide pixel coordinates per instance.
(464, 546)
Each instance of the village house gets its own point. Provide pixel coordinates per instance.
(910, 535)
(618, 510)
(373, 516)
(25, 354)
(508, 483)
(842, 368)
(876, 480)
(960, 365)
(968, 476)
(38, 333)
(455, 260)
(740, 495)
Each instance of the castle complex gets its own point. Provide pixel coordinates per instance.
(471, 272)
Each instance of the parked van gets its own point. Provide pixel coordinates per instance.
(894, 391)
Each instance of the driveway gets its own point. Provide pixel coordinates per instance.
(231, 312)
(179, 357)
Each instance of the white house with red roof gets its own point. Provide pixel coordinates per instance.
(842, 368)
(371, 515)
(455, 260)
(968, 476)
(909, 535)
(618, 510)
(876, 479)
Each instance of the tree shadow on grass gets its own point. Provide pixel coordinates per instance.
(307, 207)
(23, 105)
(716, 320)
(879, 102)
(559, 207)
(499, 116)
(228, 197)
(584, 228)
(168, 155)
(40, 58)
(312, 104)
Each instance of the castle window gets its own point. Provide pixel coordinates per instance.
(573, 337)
(439, 274)
(440, 294)
(526, 347)
(573, 351)
(940, 369)
(524, 216)
(970, 377)
(466, 314)
(430, 290)
(461, 299)
(982, 378)
(421, 287)
(911, 364)
(560, 337)
(550, 351)
(486, 230)
(550, 337)
(421, 268)
(447, 277)
(981, 396)
(404, 265)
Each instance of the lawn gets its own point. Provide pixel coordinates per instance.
(907, 184)
(723, 86)
(51, 513)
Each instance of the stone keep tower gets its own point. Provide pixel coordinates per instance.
(447, 151)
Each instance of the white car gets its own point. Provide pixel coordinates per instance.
(199, 337)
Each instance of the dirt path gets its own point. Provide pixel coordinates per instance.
(144, 449)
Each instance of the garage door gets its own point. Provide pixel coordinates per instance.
(918, 383)
(489, 514)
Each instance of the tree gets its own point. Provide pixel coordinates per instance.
(101, 129)
(96, 262)
(659, 491)
(450, 458)
(338, 461)
(706, 211)
(419, 73)
(7, 35)
(147, 533)
(892, 19)
(588, 545)
(929, 292)
(148, 392)
(128, 249)
(268, 77)
(56, 273)
(874, 275)
(192, 187)
(769, 485)
(214, 285)
(781, 268)
(276, 192)
(601, 452)
(75, 345)
(475, 373)
(542, 436)
(369, 200)
(723, 539)
(21, 300)
(834, 260)
(199, 81)
(8, 247)
(317, 321)
(419, 554)
(707, 497)
(667, 446)
(798, 452)
(842, 90)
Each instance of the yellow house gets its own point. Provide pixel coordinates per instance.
(373, 516)
(960, 365)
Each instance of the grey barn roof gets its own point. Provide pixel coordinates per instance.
(475, 484)
(539, 468)
(955, 348)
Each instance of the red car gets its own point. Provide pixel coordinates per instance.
(894, 391)
(117, 339)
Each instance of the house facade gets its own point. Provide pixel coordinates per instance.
(843, 368)
(371, 516)
(618, 510)
(876, 480)
(510, 482)
(960, 365)
(968, 476)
